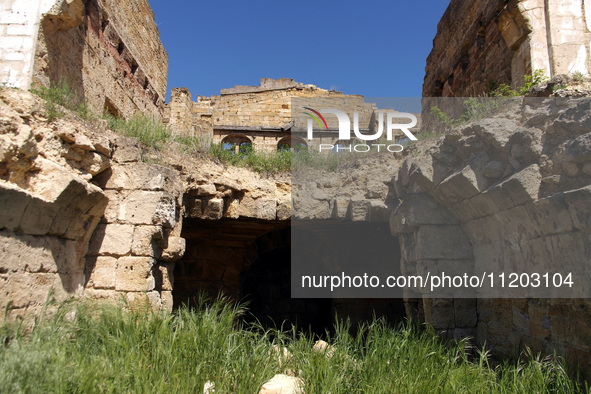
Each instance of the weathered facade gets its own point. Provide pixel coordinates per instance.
(109, 52)
(261, 115)
(481, 44)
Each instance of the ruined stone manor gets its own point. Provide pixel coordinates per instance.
(82, 215)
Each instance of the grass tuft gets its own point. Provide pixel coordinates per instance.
(259, 161)
(104, 348)
(149, 132)
(60, 95)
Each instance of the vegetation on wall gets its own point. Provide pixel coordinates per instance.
(475, 108)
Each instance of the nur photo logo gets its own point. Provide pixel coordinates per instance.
(392, 123)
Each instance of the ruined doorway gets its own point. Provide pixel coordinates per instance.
(249, 260)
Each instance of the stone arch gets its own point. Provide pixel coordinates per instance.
(236, 142)
(291, 143)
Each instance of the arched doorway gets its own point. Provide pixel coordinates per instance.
(237, 144)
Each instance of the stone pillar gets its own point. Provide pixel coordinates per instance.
(133, 250)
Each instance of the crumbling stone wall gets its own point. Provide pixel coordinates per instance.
(49, 207)
(109, 52)
(502, 195)
(480, 44)
(496, 195)
(81, 213)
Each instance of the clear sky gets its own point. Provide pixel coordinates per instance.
(375, 48)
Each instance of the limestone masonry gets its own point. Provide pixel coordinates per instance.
(256, 115)
(483, 43)
(108, 51)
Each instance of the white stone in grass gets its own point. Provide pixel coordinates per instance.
(282, 384)
(208, 387)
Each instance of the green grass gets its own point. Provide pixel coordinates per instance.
(61, 95)
(259, 161)
(149, 132)
(102, 348)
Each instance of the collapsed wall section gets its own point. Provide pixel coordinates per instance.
(49, 207)
(81, 213)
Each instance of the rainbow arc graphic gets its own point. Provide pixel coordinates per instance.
(316, 118)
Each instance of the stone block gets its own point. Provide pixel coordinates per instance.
(539, 319)
(147, 241)
(166, 277)
(103, 272)
(148, 207)
(479, 206)
(111, 213)
(94, 163)
(194, 208)
(379, 212)
(102, 294)
(496, 131)
(465, 312)
(340, 207)
(578, 202)
(232, 210)
(439, 312)
(459, 186)
(579, 150)
(549, 216)
(442, 242)
(13, 202)
(167, 301)
(111, 239)
(38, 217)
(140, 176)
(154, 300)
(174, 250)
(359, 210)
(204, 190)
(421, 173)
(521, 188)
(135, 274)
(25, 253)
(260, 208)
(67, 254)
(24, 289)
(416, 210)
(126, 150)
(214, 209)
(282, 384)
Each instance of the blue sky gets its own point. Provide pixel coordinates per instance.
(375, 48)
